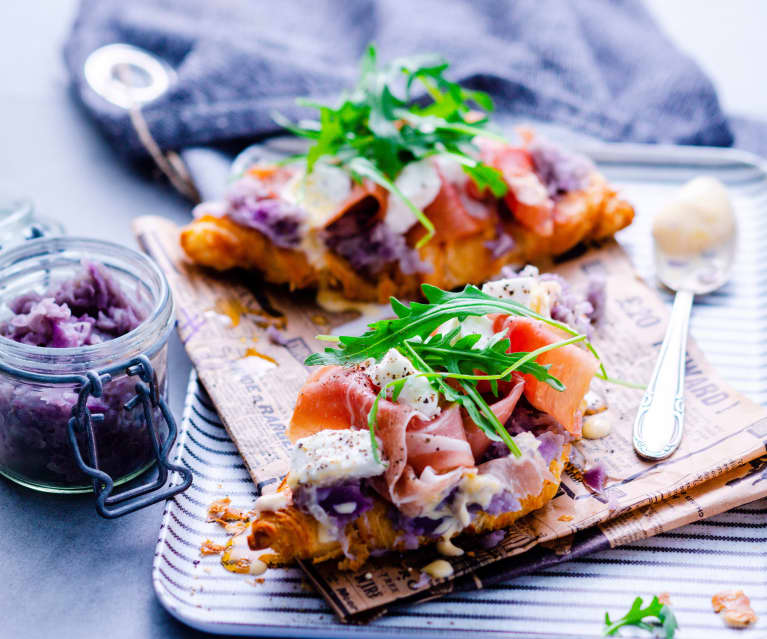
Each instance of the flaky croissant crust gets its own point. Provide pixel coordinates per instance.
(591, 214)
(290, 534)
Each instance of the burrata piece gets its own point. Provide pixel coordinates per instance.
(699, 218)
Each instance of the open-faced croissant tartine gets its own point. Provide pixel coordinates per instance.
(391, 195)
(455, 417)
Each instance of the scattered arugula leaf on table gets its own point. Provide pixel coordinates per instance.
(666, 623)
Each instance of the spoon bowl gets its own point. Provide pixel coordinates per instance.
(659, 422)
(700, 273)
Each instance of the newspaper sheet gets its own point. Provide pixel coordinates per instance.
(223, 321)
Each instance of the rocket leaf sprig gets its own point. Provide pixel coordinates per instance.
(378, 128)
(449, 356)
(645, 618)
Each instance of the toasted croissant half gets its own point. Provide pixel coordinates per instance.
(290, 533)
(323, 230)
(428, 472)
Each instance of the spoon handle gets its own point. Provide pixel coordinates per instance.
(660, 419)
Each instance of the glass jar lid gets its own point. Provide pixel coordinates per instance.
(19, 222)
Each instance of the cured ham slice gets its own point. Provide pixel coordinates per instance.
(336, 397)
(503, 409)
(325, 400)
(520, 475)
(416, 493)
(367, 196)
(440, 444)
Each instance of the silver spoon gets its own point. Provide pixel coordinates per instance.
(660, 419)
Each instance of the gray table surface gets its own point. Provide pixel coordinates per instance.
(64, 571)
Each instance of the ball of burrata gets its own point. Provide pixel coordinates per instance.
(700, 217)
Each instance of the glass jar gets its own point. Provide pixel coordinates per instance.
(40, 386)
(19, 222)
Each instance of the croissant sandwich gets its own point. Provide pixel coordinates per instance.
(392, 196)
(455, 417)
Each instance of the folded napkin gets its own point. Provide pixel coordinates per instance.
(602, 68)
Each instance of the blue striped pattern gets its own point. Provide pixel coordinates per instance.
(567, 600)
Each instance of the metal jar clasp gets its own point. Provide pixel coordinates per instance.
(82, 420)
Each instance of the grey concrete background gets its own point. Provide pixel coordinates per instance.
(64, 571)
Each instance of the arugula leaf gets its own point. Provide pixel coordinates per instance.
(376, 129)
(419, 319)
(439, 357)
(492, 359)
(478, 410)
(636, 616)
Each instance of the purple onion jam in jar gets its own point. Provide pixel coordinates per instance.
(69, 306)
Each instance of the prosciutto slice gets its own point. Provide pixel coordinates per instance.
(503, 409)
(426, 458)
(521, 476)
(415, 494)
(366, 196)
(527, 198)
(440, 444)
(330, 399)
(421, 454)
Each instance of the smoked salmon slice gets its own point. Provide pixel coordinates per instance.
(572, 365)
(527, 198)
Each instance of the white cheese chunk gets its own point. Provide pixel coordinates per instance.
(473, 325)
(321, 193)
(527, 289)
(420, 183)
(449, 326)
(393, 365)
(518, 289)
(332, 455)
(480, 325)
(417, 392)
(452, 170)
(274, 502)
(545, 296)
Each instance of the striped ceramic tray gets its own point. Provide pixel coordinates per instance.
(568, 600)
